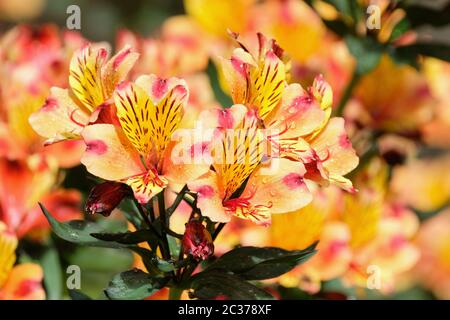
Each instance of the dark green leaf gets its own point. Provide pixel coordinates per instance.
(80, 232)
(400, 28)
(420, 15)
(337, 26)
(78, 295)
(217, 283)
(77, 231)
(153, 263)
(128, 237)
(367, 52)
(436, 50)
(134, 285)
(253, 263)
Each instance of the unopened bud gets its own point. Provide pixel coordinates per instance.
(197, 241)
(105, 197)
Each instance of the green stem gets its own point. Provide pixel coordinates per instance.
(347, 93)
(142, 212)
(175, 293)
(163, 217)
(217, 231)
(177, 201)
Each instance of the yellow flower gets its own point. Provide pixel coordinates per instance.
(392, 97)
(217, 16)
(275, 187)
(300, 118)
(423, 183)
(92, 80)
(433, 269)
(137, 149)
(22, 281)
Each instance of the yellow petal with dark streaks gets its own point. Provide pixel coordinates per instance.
(85, 76)
(240, 152)
(167, 116)
(134, 110)
(268, 84)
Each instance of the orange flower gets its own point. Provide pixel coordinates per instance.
(179, 51)
(26, 183)
(22, 281)
(274, 187)
(137, 150)
(392, 97)
(433, 269)
(92, 81)
(423, 183)
(301, 118)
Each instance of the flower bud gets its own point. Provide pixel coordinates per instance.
(105, 197)
(197, 241)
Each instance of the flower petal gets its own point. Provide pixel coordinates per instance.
(278, 186)
(210, 194)
(147, 185)
(24, 283)
(60, 118)
(8, 245)
(108, 154)
(335, 149)
(298, 114)
(268, 84)
(117, 68)
(134, 109)
(85, 76)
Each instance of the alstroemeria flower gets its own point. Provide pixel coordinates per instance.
(23, 184)
(433, 268)
(274, 188)
(92, 80)
(180, 50)
(20, 282)
(301, 117)
(137, 149)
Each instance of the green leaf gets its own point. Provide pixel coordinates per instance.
(220, 96)
(128, 208)
(343, 6)
(337, 26)
(400, 28)
(419, 15)
(134, 285)
(152, 262)
(174, 247)
(216, 283)
(367, 52)
(78, 295)
(436, 50)
(128, 237)
(77, 231)
(81, 232)
(53, 282)
(253, 263)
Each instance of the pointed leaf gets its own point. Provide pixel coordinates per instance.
(134, 285)
(253, 263)
(219, 284)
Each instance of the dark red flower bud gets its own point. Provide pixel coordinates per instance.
(197, 241)
(105, 197)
